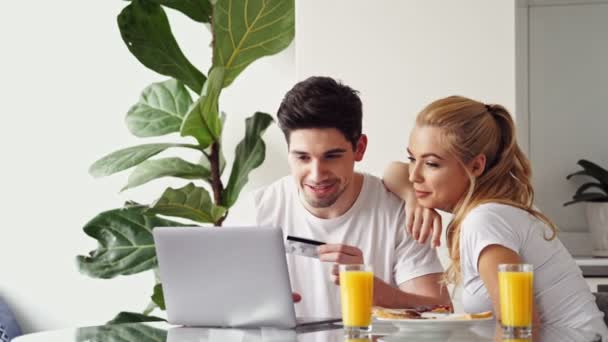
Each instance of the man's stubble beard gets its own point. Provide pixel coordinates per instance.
(324, 202)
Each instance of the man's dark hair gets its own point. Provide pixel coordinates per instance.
(321, 102)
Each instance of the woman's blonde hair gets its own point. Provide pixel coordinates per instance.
(468, 129)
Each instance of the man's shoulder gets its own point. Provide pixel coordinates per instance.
(272, 200)
(379, 196)
(276, 190)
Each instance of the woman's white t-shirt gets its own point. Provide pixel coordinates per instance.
(561, 295)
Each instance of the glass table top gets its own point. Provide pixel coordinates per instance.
(163, 332)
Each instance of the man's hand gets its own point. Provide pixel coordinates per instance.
(422, 222)
(339, 254)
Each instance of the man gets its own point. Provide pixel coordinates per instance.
(324, 199)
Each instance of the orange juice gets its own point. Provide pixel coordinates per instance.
(356, 292)
(516, 297)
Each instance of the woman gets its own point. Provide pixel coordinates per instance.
(464, 159)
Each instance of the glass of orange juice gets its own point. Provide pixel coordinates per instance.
(357, 296)
(516, 289)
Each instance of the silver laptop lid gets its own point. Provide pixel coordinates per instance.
(230, 276)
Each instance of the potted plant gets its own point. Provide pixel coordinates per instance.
(595, 196)
(186, 104)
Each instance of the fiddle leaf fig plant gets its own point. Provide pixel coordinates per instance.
(594, 191)
(133, 332)
(186, 106)
(160, 110)
(146, 31)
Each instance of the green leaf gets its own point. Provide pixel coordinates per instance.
(588, 197)
(158, 297)
(146, 31)
(126, 158)
(594, 171)
(203, 121)
(190, 202)
(198, 10)
(578, 173)
(117, 331)
(249, 154)
(586, 186)
(160, 110)
(204, 161)
(165, 167)
(247, 30)
(126, 245)
(133, 317)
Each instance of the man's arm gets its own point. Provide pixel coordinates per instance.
(423, 290)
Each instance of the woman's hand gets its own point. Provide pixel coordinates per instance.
(420, 222)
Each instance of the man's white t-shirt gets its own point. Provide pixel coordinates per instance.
(561, 295)
(375, 224)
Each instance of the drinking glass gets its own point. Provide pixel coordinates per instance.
(516, 298)
(356, 294)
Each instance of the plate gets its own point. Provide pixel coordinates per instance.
(439, 323)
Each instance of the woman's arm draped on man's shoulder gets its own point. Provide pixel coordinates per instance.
(420, 222)
(396, 179)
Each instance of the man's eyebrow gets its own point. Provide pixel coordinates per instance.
(335, 150)
(332, 151)
(425, 155)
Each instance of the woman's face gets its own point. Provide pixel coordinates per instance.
(437, 177)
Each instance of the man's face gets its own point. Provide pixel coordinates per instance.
(322, 163)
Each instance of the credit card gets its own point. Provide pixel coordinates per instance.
(301, 246)
(303, 240)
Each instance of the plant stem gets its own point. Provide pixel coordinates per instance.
(151, 306)
(216, 181)
(212, 44)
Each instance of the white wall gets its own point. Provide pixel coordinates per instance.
(402, 54)
(568, 50)
(67, 81)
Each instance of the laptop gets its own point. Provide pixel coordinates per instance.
(227, 277)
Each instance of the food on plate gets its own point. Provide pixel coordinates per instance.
(470, 316)
(434, 309)
(381, 312)
(480, 315)
(436, 312)
(441, 309)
